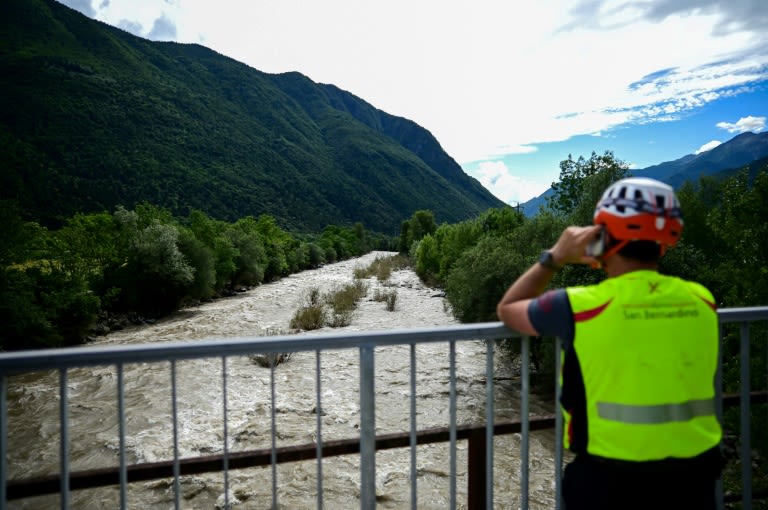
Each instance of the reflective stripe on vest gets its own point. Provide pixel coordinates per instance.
(656, 414)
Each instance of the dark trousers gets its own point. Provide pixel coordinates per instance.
(600, 484)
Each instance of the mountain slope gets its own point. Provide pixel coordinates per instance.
(744, 150)
(737, 152)
(92, 117)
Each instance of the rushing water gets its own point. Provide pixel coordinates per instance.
(33, 447)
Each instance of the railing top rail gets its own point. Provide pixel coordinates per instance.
(25, 361)
(747, 313)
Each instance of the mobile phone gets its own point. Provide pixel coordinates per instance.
(596, 247)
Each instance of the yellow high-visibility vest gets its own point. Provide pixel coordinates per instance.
(647, 345)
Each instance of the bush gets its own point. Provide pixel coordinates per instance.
(309, 317)
(382, 267)
(343, 302)
(312, 314)
(389, 297)
(391, 301)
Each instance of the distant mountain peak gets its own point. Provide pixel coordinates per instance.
(738, 152)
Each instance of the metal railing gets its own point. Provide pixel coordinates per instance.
(481, 463)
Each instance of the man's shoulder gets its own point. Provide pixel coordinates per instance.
(696, 287)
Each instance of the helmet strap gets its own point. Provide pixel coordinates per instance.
(614, 249)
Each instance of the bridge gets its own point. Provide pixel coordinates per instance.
(479, 439)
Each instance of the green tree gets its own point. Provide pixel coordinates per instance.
(251, 259)
(42, 302)
(160, 271)
(212, 233)
(581, 184)
(275, 240)
(420, 224)
(427, 259)
(87, 244)
(201, 259)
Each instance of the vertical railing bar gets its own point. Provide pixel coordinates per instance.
(719, 489)
(319, 408)
(273, 418)
(452, 429)
(367, 429)
(225, 423)
(121, 439)
(558, 428)
(489, 422)
(3, 438)
(414, 495)
(176, 465)
(524, 422)
(746, 459)
(64, 439)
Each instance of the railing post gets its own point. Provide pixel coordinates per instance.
(558, 427)
(64, 438)
(746, 457)
(367, 430)
(477, 476)
(489, 424)
(3, 438)
(524, 421)
(719, 489)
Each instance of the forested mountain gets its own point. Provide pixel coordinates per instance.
(747, 150)
(92, 117)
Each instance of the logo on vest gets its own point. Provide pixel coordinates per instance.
(660, 312)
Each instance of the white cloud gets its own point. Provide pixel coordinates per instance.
(163, 29)
(744, 124)
(496, 177)
(708, 146)
(489, 77)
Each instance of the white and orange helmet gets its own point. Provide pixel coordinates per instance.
(640, 209)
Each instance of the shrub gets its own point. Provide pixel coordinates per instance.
(391, 300)
(384, 270)
(312, 314)
(309, 317)
(343, 303)
(382, 267)
(389, 297)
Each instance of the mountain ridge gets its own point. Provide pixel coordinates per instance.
(743, 150)
(93, 117)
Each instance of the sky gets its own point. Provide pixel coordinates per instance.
(508, 88)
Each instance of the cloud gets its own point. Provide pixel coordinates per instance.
(708, 146)
(164, 29)
(732, 16)
(133, 27)
(744, 124)
(495, 176)
(83, 6)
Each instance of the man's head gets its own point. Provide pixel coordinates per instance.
(642, 217)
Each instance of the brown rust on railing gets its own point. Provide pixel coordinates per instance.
(475, 434)
(92, 478)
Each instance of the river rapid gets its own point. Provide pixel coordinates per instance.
(33, 406)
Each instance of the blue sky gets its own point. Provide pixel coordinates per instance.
(509, 89)
(639, 145)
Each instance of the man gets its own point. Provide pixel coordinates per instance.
(640, 356)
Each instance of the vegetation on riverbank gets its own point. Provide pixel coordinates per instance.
(336, 308)
(57, 287)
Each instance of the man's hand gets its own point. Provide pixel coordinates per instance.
(571, 247)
